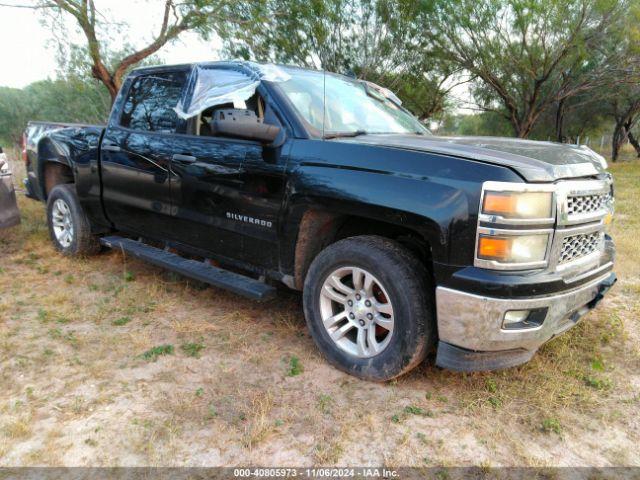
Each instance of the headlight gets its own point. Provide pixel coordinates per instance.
(515, 225)
(518, 205)
(520, 249)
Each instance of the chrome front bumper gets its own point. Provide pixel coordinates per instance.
(474, 323)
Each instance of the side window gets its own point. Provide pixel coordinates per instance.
(151, 101)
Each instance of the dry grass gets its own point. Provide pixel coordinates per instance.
(74, 389)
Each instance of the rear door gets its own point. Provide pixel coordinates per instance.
(136, 154)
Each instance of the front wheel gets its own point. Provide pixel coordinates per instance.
(368, 302)
(69, 227)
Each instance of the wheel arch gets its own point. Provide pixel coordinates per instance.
(319, 227)
(55, 165)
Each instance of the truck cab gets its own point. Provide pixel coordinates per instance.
(402, 243)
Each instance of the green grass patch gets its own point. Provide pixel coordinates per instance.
(413, 410)
(153, 353)
(551, 425)
(121, 321)
(294, 367)
(325, 402)
(192, 349)
(597, 383)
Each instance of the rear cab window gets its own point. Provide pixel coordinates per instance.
(151, 101)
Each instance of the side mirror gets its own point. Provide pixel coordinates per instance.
(239, 123)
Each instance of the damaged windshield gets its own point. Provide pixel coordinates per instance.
(352, 107)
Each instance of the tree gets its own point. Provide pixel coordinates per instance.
(201, 16)
(483, 123)
(525, 55)
(375, 40)
(624, 107)
(69, 100)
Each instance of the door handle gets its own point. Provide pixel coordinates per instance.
(111, 148)
(184, 158)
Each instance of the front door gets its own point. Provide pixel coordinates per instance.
(136, 154)
(228, 192)
(206, 191)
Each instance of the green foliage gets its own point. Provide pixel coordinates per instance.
(598, 383)
(69, 101)
(553, 69)
(485, 123)
(413, 410)
(153, 353)
(325, 403)
(375, 40)
(121, 321)
(551, 425)
(523, 56)
(192, 349)
(294, 367)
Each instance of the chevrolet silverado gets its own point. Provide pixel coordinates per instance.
(403, 243)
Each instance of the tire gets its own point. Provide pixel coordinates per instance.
(69, 227)
(400, 301)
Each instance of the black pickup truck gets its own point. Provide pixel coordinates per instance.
(244, 175)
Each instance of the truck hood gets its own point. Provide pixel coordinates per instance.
(535, 161)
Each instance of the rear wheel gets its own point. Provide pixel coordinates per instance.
(368, 305)
(69, 227)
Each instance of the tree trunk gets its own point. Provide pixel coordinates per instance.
(560, 122)
(112, 84)
(524, 129)
(617, 140)
(634, 141)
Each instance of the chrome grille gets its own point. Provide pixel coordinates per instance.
(578, 246)
(581, 204)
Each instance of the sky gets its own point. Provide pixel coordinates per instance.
(26, 56)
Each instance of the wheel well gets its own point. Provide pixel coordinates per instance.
(56, 173)
(319, 229)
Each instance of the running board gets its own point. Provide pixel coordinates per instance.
(218, 277)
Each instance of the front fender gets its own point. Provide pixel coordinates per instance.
(430, 209)
(435, 195)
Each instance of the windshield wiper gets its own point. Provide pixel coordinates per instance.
(355, 133)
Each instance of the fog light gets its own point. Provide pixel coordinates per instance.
(515, 316)
(523, 319)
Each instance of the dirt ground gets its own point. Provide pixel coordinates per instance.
(108, 361)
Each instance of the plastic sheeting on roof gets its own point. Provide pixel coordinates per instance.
(385, 92)
(217, 86)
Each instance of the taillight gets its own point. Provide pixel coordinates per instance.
(25, 157)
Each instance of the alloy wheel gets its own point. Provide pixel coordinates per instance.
(62, 223)
(356, 311)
